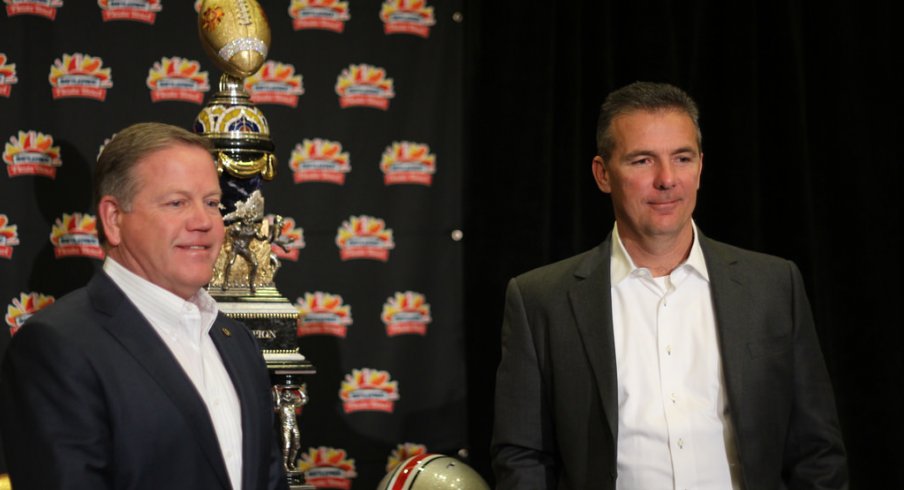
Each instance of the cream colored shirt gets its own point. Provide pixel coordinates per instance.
(184, 327)
(674, 430)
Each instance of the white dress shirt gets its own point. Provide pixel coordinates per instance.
(674, 430)
(184, 327)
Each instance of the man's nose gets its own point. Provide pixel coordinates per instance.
(202, 216)
(665, 176)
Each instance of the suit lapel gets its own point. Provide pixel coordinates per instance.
(125, 323)
(591, 303)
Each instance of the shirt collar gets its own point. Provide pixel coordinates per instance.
(621, 264)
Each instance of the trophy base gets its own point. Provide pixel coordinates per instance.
(272, 319)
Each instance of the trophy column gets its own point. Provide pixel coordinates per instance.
(236, 36)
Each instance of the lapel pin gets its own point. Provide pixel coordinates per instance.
(227, 332)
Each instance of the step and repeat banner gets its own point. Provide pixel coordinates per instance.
(364, 103)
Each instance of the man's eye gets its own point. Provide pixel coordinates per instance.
(175, 204)
(213, 203)
(640, 161)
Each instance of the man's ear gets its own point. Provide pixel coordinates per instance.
(601, 174)
(110, 213)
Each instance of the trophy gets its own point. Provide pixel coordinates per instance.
(236, 36)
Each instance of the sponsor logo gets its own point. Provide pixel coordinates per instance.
(408, 163)
(23, 307)
(177, 79)
(407, 17)
(80, 75)
(327, 15)
(41, 8)
(322, 313)
(364, 86)
(406, 313)
(403, 452)
(364, 237)
(75, 235)
(368, 390)
(319, 160)
(7, 76)
(9, 237)
(31, 153)
(290, 239)
(275, 83)
(134, 10)
(327, 467)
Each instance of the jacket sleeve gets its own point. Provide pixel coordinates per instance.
(53, 415)
(523, 448)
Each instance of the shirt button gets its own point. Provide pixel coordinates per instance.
(680, 443)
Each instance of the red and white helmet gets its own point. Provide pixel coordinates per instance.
(432, 472)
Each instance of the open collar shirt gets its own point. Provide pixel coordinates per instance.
(184, 326)
(674, 430)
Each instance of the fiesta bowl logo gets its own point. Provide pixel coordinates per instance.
(76, 235)
(319, 160)
(80, 75)
(407, 17)
(326, 467)
(135, 10)
(408, 163)
(275, 83)
(23, 307)
(177, 79)
(7, 76)
(368, 390)
(364, 237)
(403, 452)
(327, 15)
(41, 8)
(364, 86)
(322, 313)
(32, 153)
(291, 239)
(406, 313)
(9, 237)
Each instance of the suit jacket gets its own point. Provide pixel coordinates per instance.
(91, 398)
(556, 408)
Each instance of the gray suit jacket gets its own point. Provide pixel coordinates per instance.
(556, 408)
(91, 398)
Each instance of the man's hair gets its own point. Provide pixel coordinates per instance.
(644, 96)
(114, 174)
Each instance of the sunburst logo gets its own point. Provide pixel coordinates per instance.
(177, 79)
(41, 8)
(319, 160)
(134, 10)
(327, 467)
(406, 313)
(407, 17)
(322, 313)
(403, 452)
(32, 153)
(327, 15)
(80, 75)
(23, 307)
(7, 76)
(408, 163)
(291, 239)
(275, 83)
(365, 86)
(75, 235)
(9, 237)
(369, 390)
(364, 237)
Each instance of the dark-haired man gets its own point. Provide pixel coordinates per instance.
(662, 359)
(136, 381)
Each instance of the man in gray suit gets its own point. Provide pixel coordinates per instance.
(661, 359)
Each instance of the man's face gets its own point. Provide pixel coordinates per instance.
(172, 234)
(653, 174)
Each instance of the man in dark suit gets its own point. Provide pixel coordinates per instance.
(661, 359)
(136, 380)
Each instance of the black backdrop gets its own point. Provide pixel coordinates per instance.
(801, 107)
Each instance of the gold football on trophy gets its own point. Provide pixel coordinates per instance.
(235, 34)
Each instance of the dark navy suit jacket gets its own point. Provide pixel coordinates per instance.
(91, 398)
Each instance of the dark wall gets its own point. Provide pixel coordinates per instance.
(800, 115)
